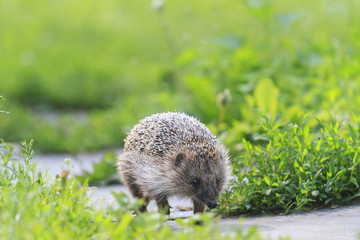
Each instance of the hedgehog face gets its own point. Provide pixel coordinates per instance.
(202, 177)
(205, 192)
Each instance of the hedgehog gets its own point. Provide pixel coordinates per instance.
(173, 154)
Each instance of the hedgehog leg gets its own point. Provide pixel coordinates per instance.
(163, 205)
(137, 193)
(198, 206)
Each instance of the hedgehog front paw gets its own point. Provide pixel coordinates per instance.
(198, 206)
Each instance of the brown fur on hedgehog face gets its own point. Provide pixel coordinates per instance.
(201, 176)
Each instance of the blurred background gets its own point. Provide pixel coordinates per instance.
(77, 75)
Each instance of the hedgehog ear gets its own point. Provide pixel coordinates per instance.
(179, 159)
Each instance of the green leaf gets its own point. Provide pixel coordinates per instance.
(328, 200)
(297, 166)
(353, 133)
(356, 195)
(317, 173)
(306, 132)
(354, 159)
(332, 166)
(340, 173)
(323, 195)
(247, 145)
(266, 96)
(267, 180)
(329, 185)
(303, 191)
(278, 117)
(318, 145)
(305, 119)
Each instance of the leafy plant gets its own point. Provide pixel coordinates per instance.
(303, 166)
(104, 172)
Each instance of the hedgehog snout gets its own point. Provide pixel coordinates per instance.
(208, 195)
(211, 204)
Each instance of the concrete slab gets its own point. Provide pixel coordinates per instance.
(340, 223)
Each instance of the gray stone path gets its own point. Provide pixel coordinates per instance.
(340, 223)
(81, 162)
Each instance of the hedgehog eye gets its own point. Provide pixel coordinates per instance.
(195, 182)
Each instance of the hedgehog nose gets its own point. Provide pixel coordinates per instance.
(212, 204)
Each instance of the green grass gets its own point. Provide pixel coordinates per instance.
(304, 165)
(34, 205)
(105, 62)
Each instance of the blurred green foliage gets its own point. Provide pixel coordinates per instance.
(2, 100)
(116, 62)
